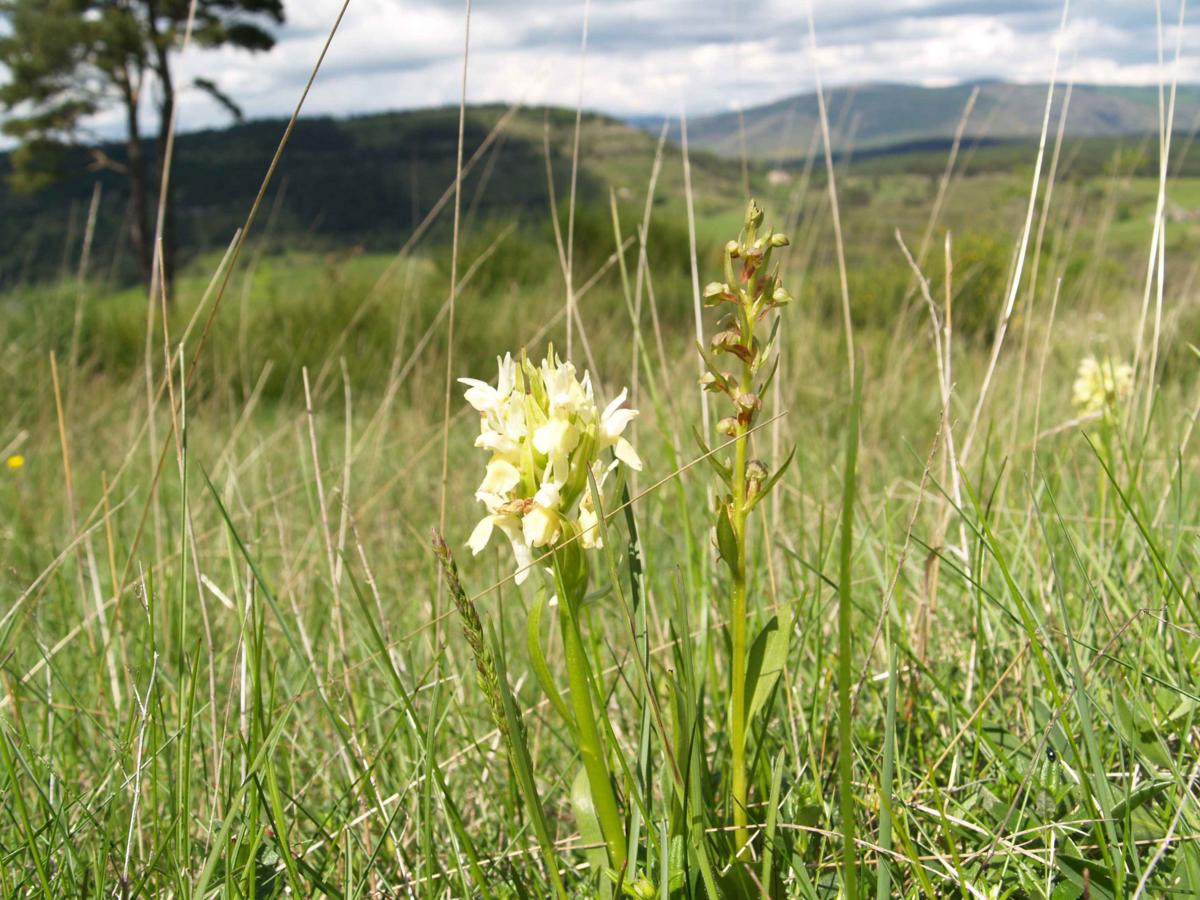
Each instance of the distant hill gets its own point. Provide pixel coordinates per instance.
(362, 181)
(368, 180)
(871, 117)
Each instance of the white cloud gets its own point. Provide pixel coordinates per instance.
(651, 56)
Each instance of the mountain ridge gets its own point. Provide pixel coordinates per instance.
(877, 115)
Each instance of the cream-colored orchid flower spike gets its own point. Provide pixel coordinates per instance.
(545, 433)
(1101, 386)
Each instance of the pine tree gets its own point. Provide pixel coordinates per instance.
(70, 60)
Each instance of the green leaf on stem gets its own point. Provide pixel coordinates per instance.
(538, 660)
(522, 763)
(765, 353)
(765, 386)
(766, 660)
(590, 832)
(726, 541)
(722, 470)
(572, 571)
(1148, 792)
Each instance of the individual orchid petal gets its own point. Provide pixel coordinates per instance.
(560, 467)
(548, 495)
(625, 453)
(616, 404)
(500, 478)
(589, 529)
(507, 379)
(613, 424)
(556, 436)
(524, 558)
(481, 535)
(540, 527)
(493, 502)
(496, 442)
(481, 395)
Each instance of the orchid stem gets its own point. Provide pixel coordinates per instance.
(587, 732)
(738, 519)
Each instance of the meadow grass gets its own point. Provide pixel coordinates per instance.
(245, 676)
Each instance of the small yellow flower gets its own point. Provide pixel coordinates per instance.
(1100, 386)
(14, 462)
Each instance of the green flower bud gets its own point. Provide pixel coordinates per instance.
(756, 470)
(752, 258)
(748, 402)
(730, 341)
(756, 474)
(727, 340)
(640, 889)
(754, 215)
(779, 240)
(715, 383)
(716, 292)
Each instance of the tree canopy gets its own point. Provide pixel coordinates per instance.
(70, 60)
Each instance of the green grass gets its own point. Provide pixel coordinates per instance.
(251, 693)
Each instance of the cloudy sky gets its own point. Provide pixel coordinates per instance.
(655, 56)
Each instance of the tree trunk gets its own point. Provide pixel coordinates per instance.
(139, 236)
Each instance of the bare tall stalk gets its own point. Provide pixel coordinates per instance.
(452, 304)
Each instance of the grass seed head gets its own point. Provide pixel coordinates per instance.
(485, 666)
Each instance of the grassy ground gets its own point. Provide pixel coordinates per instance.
(229, 666)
